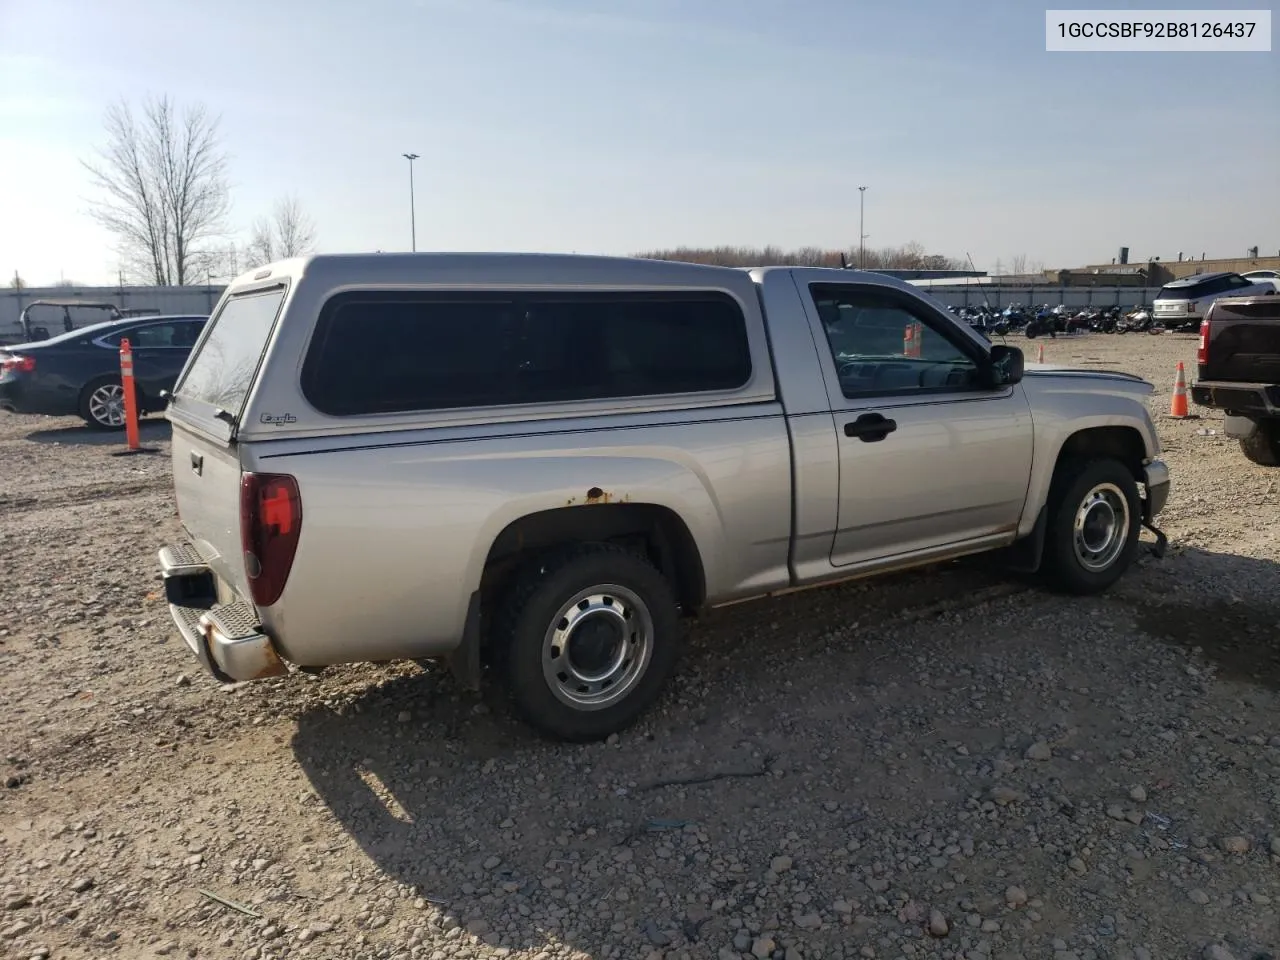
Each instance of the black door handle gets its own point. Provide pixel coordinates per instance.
(197, 463)
(870, 427)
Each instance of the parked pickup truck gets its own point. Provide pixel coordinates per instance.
(1239, 372)
(539, 464)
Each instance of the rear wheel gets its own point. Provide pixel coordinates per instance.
(586, 639)
(1263, 447)
(1095, 517)
(102, 404)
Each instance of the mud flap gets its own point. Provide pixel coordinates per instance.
(1025, 555)
(464, 662)
(1161, 546)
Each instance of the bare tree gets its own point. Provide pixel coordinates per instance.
(1018, 264)
(999, 268)
(288, 232)
(163, 191)
(17, 283)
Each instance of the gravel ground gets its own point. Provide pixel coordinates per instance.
(944, 764)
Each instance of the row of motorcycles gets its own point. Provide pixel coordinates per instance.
(1051, 321)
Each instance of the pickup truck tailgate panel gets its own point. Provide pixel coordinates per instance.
(1244, 341)
(206, 475)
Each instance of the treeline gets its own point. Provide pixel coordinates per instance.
(912, 256)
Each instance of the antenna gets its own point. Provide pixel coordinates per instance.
(985, 299)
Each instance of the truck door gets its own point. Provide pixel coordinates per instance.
(932, 460)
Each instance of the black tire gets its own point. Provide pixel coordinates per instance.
(1263, 448)
(87, 405)
(525, 629)
(1072, 568)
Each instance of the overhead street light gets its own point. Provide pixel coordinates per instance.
(413, 224)
(862, 236)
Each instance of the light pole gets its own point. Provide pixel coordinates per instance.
(862, 237)
(413, 222)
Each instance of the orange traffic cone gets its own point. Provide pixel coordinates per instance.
(1178, 407)
(911, 340)
(1040, 354)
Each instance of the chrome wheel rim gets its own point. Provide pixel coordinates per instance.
(1101, 527)
(597, 647)
(106, 405)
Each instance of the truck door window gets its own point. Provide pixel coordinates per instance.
(881, 345)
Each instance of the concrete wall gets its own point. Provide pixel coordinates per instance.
(189, 300)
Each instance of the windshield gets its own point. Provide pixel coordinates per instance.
(222, 370)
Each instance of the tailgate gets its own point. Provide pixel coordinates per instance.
(1245, 348)
(205, 411)
(206, 480)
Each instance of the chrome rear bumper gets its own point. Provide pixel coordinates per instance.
(225, 637)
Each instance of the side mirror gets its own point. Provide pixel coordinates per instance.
(1006, 365)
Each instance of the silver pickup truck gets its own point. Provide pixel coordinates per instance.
(539, 465)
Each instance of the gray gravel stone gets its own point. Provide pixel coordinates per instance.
(1235, 844)
(938, 925)
(1039, 751)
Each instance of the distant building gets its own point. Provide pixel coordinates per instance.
(1156, 273)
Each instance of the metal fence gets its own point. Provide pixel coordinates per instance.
(188, 300)
(977, 295)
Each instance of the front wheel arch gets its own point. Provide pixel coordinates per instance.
(1118, 443)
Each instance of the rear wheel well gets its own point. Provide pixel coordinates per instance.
(1120, 443)
(654, 532)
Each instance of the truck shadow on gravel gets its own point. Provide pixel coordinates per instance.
(76, 433)
(525, 843)
(802, 704)
(1233, 615)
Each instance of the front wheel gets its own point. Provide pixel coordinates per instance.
(1263, 448)
(1095, 517)
(586, 639)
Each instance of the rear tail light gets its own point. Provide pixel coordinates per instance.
(1202, 352)
(270, 523)
(18, 364)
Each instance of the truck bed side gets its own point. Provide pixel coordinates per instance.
(402, 523)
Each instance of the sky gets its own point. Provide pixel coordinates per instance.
(616, 126)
